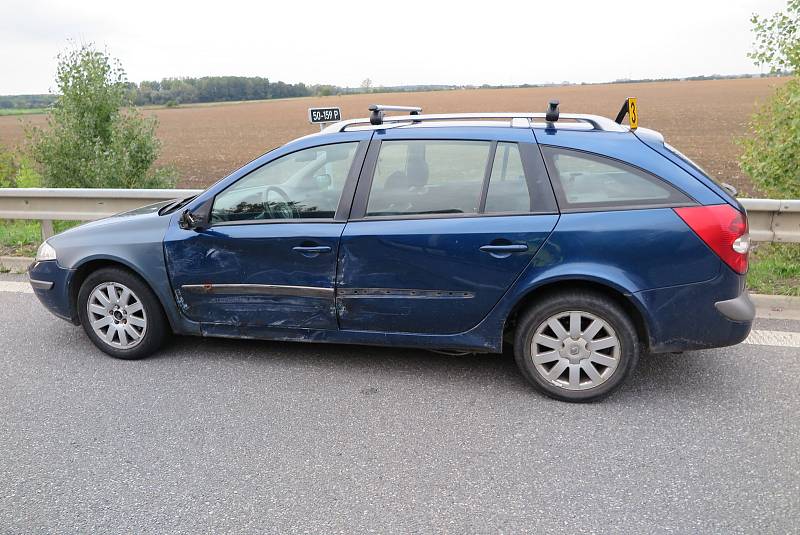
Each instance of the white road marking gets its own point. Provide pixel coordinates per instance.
(16, 287)
(761, 338)
(773, 338)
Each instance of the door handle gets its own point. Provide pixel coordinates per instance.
(514, 248)
(312, 249)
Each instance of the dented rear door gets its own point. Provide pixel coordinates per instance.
(443, 221)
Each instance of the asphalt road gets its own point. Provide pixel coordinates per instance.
(240, 436)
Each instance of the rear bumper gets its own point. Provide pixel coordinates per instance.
(50, 283)
(715, 313)
(737, 309)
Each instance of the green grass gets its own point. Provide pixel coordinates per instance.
(22, 111)
(21, 237)
(775, 269)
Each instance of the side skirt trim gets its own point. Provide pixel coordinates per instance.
(260, 289)
(325, 293)
(377, 293)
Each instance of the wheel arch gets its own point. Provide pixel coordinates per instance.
(607, 288)
(91, 265)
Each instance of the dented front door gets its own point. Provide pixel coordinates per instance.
(272, 274)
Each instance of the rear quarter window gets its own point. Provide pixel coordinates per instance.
(587, 181)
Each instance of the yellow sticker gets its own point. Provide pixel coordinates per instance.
(633, 113)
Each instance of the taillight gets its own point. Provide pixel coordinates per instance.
(723, 228)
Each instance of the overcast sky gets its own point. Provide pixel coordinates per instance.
(409, 42)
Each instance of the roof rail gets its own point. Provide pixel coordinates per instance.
(377, 112)
(597, 122)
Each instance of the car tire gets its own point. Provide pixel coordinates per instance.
(121, 314)
(576, 346)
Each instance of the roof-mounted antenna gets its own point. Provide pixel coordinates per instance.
(377, 112)
(552, 111)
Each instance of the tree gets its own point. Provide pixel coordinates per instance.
(94, 138)
(771, 155)
(366, 85)
(778, 39)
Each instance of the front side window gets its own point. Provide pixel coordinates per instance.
(301, 185)
(428, 177)
(592, 181)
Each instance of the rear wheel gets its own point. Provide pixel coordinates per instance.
(576, 346)
(121, 314)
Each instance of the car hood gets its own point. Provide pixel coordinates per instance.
(149, 211)
(134, 238)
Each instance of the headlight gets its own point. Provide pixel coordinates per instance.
(45, 252)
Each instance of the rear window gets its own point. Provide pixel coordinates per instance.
(727, 187)
(685, 158)
(589, 181)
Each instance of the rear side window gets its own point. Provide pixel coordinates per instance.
(589, 181)
(428, 177)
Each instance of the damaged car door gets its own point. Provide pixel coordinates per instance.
(440, 228)
(267, 256)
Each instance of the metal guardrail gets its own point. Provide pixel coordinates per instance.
(773, 219)
(770, 219)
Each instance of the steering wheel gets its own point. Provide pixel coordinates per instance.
(283, 209)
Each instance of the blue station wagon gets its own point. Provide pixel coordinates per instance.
(577, 241)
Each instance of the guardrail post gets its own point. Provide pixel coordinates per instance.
(47, 229)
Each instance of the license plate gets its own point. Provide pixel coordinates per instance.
(324, 115)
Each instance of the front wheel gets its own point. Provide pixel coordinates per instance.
(121, 314)
(576, 346)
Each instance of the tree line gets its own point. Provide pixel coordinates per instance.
(213, 89)
(176, 91)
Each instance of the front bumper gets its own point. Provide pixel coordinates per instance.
(50, 283)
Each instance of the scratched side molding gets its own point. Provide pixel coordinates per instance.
(318, 291)
(373, 293)
(260, 289)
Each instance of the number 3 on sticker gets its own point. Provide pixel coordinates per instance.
(633, 113)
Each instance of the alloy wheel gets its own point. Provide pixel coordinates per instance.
(575, 350)
(116, 315)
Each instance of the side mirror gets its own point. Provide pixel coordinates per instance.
(197, 219)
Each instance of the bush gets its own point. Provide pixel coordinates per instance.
(8, 169)
(16, 172)
(771, 154)
(772, 150)
(94, 138)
